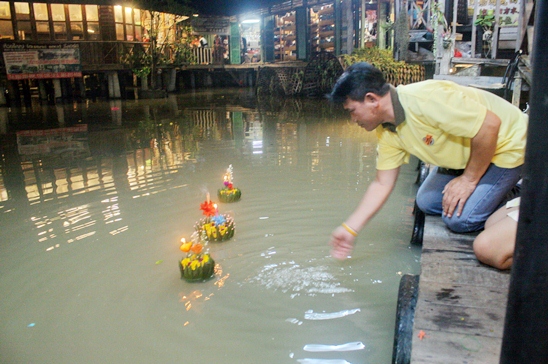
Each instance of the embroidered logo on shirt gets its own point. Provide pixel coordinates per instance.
(428, 139)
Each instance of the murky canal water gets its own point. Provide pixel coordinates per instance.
(92, 215)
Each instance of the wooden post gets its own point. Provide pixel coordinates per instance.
(362, 27)
(525, 337)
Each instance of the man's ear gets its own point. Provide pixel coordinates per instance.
(372, 97)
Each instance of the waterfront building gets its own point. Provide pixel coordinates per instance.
(63, 49)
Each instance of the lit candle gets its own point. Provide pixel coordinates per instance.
(216, 209)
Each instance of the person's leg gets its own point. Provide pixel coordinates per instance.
(489, 194)
(429, 195)
(495, 245)
(486, 198)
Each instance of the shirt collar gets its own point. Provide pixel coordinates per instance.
(399, 112)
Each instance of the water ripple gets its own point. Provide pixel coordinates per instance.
(291, 277)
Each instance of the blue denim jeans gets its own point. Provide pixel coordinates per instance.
(490, 193)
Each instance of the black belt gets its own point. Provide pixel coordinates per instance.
(450, 172)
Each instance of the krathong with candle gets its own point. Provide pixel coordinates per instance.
(229, 193)
(197, 265)
(214, 226)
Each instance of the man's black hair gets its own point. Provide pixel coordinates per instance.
(358, 80)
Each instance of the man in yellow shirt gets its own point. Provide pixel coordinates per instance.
(475, 139)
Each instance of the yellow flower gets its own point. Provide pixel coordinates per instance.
(206, 259)
(195, 264)
(185, 262)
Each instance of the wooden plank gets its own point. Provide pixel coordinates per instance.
(448, 348)
(461, 303)
(463, 295)
(483, 321)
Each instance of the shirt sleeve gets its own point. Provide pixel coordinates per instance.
(389, 154)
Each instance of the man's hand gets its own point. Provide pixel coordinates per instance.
(455, 195)
(342, 243)
(482, 149)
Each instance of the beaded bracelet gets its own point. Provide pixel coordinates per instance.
(349, 229)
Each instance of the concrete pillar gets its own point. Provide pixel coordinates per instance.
(3, 100)
(42, 91)
(172, 80)
(58, 93)
(4, 120)
(116, 111)
(79, 84)
(60, 114)
(113, 85)
(192, 80)
(208, 82)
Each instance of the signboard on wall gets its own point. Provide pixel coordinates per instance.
(39, 61)
(508, 10)
(211, 25)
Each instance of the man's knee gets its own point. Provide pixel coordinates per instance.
(424, 203)
(462, 225)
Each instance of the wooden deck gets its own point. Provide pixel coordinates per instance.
(461, 303)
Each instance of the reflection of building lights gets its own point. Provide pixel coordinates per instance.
(257, 144)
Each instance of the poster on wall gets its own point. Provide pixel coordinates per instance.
(508, 10)
(211, 25)
(39, 61)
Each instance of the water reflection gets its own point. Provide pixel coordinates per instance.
(94, 198)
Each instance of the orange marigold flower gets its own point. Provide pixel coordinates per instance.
(207, 208)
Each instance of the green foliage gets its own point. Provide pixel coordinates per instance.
(486, 21)
(138, 60)
(395, 72)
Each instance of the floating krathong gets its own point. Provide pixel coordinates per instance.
(198, 265)
(229, 193)
(214, 226)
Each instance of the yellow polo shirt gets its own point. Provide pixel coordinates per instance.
(441, 118)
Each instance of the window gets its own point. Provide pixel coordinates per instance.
(22, 14)
(58, 12)
(92, 13)
(76, 23)
(92, 22)
(41, 16)
(22, 11)
(129, 32)
(129, 15)
(93, 31)
(42, 30)
(5, 12)
(59, 21)
(118, 15)
(40, 11)
(60, 31)
(6, 27)
(75, 13)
